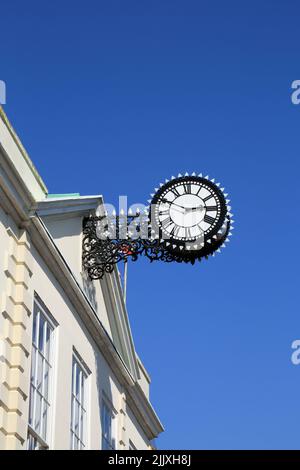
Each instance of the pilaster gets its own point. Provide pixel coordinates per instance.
(15, 341)
(122, 422)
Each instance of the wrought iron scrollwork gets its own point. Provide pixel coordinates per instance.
(102, 250)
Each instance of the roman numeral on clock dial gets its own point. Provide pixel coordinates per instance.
(199, 189)
(164, 212)
(211, 208)
(188, 233)
(175, 231)
(208, 219)
(207, 198)
(175, 192)
(167, 222)
(187, 188)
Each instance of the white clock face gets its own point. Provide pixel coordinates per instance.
(188, 209)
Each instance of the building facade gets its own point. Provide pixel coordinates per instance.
(70, 377)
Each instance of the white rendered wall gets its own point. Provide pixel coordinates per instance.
(71, 333)
(67, 235)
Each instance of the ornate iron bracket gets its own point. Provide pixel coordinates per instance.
(108, 240)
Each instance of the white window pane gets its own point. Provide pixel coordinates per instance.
(47, 345)
(104, 422)
(108, 440)
(39, 372)
(104, 443)
(76, 418)
(41, 333)
(31, 442)
(46, 373)
(44, 421)
(31, 402)
(34, 328)
(81, 388)
(77, 383)
(33, 368)
(73, 377)
(82, 425)
(72, 414)
(107, 424)
(38, 412)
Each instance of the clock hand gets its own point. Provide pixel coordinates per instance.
(173, 204)
(186, 209)
(192, 209)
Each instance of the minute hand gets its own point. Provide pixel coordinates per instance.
(173, 204)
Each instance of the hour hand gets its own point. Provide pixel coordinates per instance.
(193, 209)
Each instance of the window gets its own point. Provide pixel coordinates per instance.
(131, 445)
(78, 412)
(34, 442)
(108, 435)
(41, 368)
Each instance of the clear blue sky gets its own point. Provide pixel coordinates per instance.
(112, 97)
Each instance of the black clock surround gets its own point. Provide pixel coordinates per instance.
(188, 220)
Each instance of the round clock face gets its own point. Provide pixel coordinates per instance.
(189, 209)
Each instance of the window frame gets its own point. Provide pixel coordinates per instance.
(105, 402)
(84, 441)
(131, 445)
(39, 308)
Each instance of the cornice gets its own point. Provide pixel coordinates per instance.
(114, 290)
(68, 206)
(21, 148)
(13, 186)
(143, 411)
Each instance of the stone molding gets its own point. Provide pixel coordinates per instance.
(15, 343)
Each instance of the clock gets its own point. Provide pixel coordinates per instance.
(188, 219)
(190, 216)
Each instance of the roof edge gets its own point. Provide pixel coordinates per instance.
(69, 205)
(24, 153)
